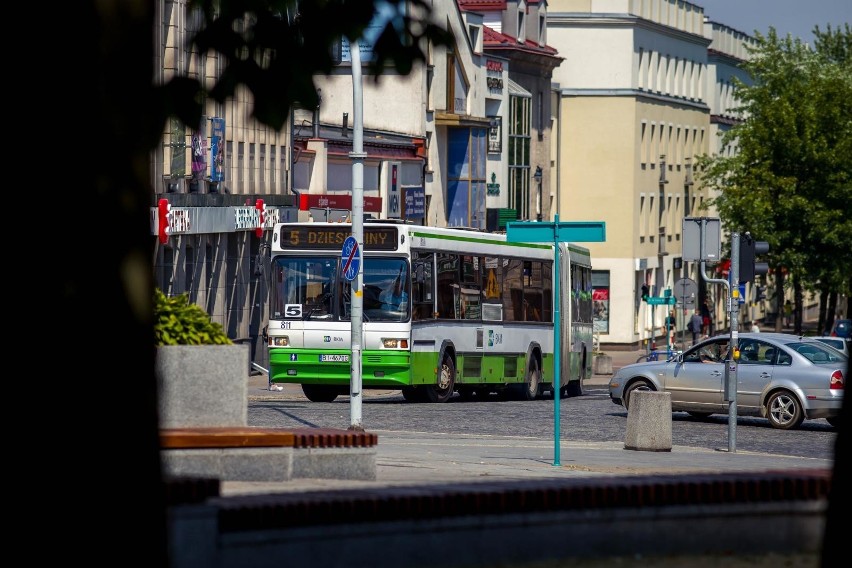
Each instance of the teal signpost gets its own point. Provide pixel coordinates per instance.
(556, 232)
(661, 301)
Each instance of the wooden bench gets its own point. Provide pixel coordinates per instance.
(268, 454)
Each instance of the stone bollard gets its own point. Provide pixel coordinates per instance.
(603, 365)
(649, 422)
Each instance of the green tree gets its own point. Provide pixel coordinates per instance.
(789, 182)
(100, 86)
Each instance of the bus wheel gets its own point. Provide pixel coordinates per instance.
(575, 388)
(320, 393)
(443, 390)
(532, 384)
(413, 394)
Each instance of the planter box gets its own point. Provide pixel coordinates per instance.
(202, 385)
(602, 365)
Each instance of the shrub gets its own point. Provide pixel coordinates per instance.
(177, 321)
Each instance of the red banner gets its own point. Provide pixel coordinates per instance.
(342, 201)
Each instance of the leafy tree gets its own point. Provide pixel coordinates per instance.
(100, 86)
(790, 180)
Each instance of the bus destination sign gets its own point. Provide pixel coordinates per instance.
(328, 238)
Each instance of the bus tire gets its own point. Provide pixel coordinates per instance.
(320, 393)
(532, 383)
(575, 388)
(442, 391)
(413, 394)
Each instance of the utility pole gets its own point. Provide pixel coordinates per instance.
(357, 296)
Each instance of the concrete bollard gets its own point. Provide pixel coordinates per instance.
(649, 422)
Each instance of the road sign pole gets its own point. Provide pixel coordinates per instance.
(357, 299)
(556, 232)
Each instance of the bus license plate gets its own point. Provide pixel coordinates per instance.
(324, 358)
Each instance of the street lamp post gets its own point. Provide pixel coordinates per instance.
(537, 178)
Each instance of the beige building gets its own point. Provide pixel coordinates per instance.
(643, 90)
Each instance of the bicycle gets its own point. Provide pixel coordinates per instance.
(654, 355)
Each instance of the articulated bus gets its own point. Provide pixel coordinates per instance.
(471, 313)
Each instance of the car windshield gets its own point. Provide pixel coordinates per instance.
(832, 342)
(816, 352)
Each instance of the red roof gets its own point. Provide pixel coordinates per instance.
(481, 5)
(494, 39)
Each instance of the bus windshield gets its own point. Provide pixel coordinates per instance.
(312, 288)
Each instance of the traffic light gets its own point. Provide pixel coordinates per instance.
(749, 249)
(646, 292)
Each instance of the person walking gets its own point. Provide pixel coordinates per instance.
(754, 328)
(695, 324)
(788, 313)
(706, 318)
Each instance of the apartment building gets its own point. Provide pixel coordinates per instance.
(644, 88)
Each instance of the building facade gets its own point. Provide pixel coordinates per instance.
(637, 94)
(599, 108)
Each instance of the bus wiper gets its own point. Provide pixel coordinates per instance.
(318, 305)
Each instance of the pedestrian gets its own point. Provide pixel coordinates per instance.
(706, 318)
(754, 328)
(671, 323)
(695, 324)
(788, 313)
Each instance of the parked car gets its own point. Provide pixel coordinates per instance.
(841, 328)
(837, 342)
(782, 377)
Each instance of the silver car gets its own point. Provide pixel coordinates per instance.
(785, 378)
(838, 343)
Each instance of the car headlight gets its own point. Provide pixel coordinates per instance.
(279, 340)
(394, 343)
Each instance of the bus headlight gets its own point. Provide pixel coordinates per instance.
(279, 340)
(394, 343)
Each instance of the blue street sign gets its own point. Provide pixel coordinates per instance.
(350, 259)
(741, 299)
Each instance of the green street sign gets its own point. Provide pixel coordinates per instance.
(661, 300)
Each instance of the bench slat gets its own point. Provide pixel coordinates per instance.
(249, 437)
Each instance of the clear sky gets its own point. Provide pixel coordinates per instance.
(796, 17)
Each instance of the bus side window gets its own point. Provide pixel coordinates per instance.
(422, 287)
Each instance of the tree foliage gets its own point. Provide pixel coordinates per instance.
(789, 181)
(276, 48)
(102, 81)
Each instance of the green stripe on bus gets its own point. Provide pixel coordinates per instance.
(481, 241)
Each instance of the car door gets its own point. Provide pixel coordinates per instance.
(754, 372)
(697, 381)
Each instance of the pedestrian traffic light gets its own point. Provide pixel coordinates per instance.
(749, 249)
(646, 292)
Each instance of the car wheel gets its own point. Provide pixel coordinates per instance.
(641, 384)
(834, 421)
(320, 393)
(784, 411)
(443, 390)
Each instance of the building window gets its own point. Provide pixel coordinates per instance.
(466, 160)
(519, 156)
